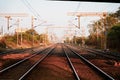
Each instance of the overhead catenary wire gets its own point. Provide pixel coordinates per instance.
(71, 19)
(28, 5)
(77, 8)
(33, 9)
(35, 13)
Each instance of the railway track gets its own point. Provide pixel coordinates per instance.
(22, 68)
(22, 60)
(94, 70)
(31, 67)
(11, 51)
(103, 54)
(17, 50)
(54, 67)
(7, 62)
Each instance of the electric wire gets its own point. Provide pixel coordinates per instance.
(72, 18)
(28, 5)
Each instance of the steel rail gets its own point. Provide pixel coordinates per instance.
(109, 56)
(10, 51)
(40, 60)
(101, 51)
(17, 63)
(98, 53)
(105, 53)
(16, 50)
(71, 65)
(91, 64)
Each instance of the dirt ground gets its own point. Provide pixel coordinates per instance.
(56, 67)
(8, 59)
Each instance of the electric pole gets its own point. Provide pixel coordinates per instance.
(8, 18)
(21, 37)
(17, 31)
(78, 21)
(82, 14)
(32, 25)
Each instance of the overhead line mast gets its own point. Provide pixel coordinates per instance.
(9, 15)
(83, 14)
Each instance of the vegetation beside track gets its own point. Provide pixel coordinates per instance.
(104, 31)
(10, 41)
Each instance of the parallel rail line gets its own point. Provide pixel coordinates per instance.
(40, 60)
(34, 65)
(17, 50)
(106, 76)
(17, 63)
(101, 53)
(71, 65)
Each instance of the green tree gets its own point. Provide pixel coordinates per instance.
(98, 28)
(114, 37)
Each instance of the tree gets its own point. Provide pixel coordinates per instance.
(43, 38)
(67, 40)
(114, 37)
(116, 14)
(2, 44)
(99, 28)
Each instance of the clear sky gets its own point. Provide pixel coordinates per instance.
(54, 12)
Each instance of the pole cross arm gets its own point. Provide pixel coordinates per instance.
(83, 14)
(9, 15)
(13, 14)
(102, 14)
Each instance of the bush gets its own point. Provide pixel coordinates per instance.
(2, 44)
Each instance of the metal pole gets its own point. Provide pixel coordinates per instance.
(75, 40)
(105, 34)
(97, 35)
(105, 30)
(32, 25)
(2, 33)
(33, 40)
(45, 39)
(75, 37)
(101, 36)
(21, 36)
(78, 22)
(17, 38)
(17, 31)
(8, 18)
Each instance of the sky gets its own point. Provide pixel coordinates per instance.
(54, 12)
